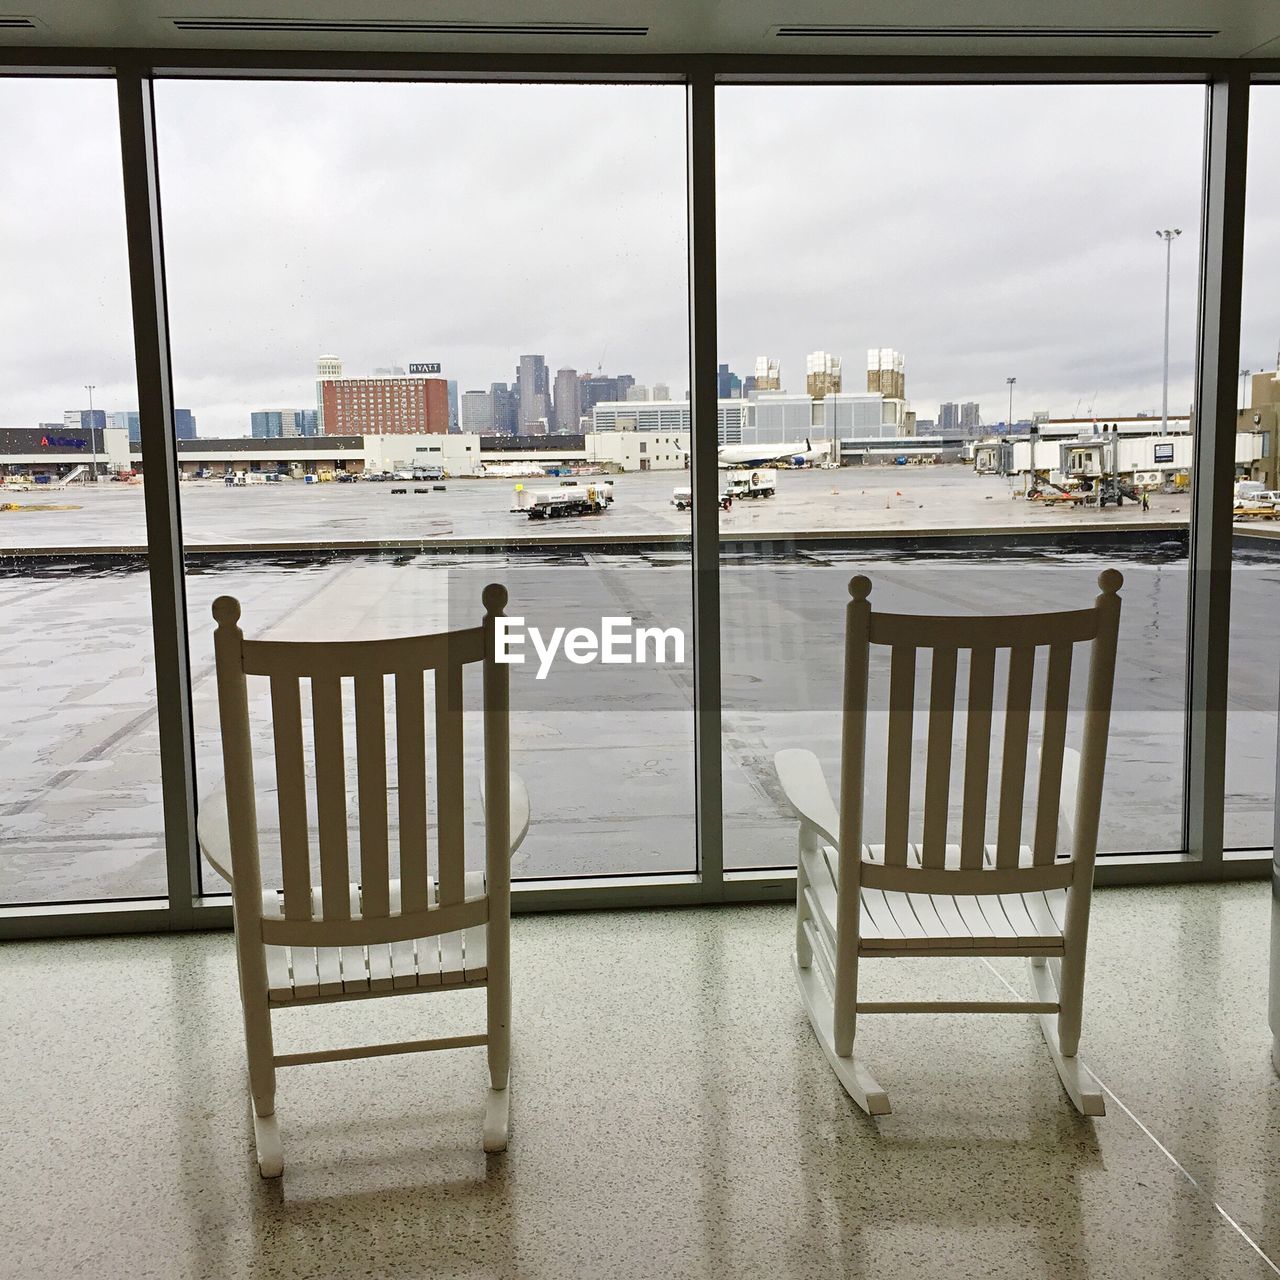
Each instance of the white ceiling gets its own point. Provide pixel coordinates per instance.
(1240, 27)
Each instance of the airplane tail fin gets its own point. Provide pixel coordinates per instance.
(807, 446)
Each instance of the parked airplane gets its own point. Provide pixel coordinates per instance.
(768, 455)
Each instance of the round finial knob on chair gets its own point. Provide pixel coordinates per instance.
(860, 586)
(494, 597)
(1110, 581)
(226, 611)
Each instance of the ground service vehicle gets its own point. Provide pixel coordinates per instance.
(570, 499)
(762, 482)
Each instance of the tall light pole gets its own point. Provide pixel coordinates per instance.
(93, 435)
(1009, 427)
(1168, 236)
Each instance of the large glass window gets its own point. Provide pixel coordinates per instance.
(942, 327)
(435, 336)
(80, 817)
(1254, 676)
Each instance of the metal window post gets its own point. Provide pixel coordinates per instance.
(703, 397)
(160, 492)
(1213, 473)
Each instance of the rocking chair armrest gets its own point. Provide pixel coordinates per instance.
(212, 834)
(1067, 798)
(519, 803)
(805, 788)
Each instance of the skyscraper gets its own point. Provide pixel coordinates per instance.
(534, 389)
(327, 368)
(822, 374)
(728, 384)
(768, 375)
(661, 391)
(568, 406)
(453, 404)
(970, 418)
(948, 416)
(477, 412)
(885, 373)
(505, 420)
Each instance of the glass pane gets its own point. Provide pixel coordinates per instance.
(944, 366)
(412, 320)
(80, 809)
(1255, 639)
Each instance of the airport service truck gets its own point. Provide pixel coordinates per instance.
(760, 482)
(570, 499)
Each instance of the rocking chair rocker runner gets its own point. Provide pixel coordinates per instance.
(358, 935)
(931, 898)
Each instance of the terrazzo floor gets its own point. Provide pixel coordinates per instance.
(672, 1115)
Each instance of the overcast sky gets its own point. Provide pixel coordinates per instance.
(984, 232)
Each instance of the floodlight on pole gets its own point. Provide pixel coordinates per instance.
(1168, 236)
(1010, 381)
(93, 435)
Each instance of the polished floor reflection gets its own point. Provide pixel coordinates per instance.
(672, 1115)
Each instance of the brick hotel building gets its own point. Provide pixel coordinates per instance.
(385, 406)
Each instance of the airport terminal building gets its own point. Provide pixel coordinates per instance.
(59, 455)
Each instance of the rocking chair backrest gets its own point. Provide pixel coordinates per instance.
(335, 916)
(980, 638)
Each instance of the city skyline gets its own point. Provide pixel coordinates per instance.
(977, 250)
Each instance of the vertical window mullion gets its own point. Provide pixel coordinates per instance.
(160, 490)
(1213, 472)
(701, 157)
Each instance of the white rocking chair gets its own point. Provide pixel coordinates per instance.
(970, 899)
(354, 937)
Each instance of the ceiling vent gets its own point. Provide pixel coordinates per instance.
(410, 27)
(968, 31)
(13, 22)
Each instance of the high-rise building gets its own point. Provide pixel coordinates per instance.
(568, 405)
(948, 416)
(822, 374)
(534, 390)
(477, 412)
(506, 420)
(728, 384)
(453, 405)
(970, 418)
(87, 419)
(385, 406)
(274, 424)
(661, 391)
(768, 375)
(127, 420)
(638, 392)
(599, 389)
(327, 368)
(184, 423)
(885, 373)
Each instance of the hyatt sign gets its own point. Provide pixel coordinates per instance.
(424, 368)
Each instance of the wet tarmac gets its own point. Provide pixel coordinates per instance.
(859, 499)
(607, 751)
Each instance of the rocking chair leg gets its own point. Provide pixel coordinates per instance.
(1079, 1084)
(858, 1082)
(266, 1137)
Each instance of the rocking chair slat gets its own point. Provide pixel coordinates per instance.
(1013, 772)
(897, 810)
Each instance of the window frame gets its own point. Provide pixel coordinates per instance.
(1220, 268)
